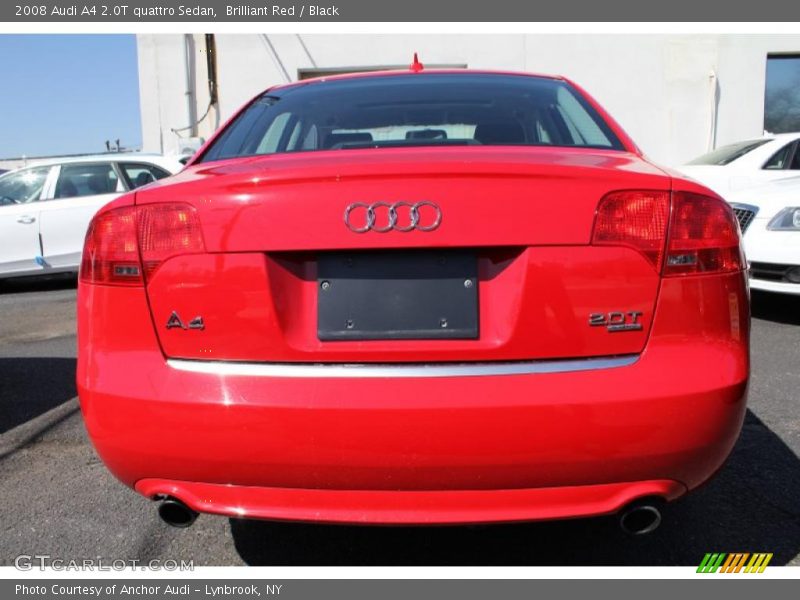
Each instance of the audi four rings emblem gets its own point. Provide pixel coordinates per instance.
(383, 217)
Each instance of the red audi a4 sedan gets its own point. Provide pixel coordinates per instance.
(415, 297)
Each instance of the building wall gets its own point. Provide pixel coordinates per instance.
(663, 89)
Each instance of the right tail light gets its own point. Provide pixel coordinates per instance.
(682, 233)
(703, 236)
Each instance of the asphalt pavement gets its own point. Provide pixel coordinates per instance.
(57, 499)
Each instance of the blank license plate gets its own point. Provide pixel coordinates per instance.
(397, 295)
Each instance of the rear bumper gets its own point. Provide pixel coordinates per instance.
(414, 507)
(243, 441)
(781, 287)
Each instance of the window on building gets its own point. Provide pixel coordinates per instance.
(782, 98)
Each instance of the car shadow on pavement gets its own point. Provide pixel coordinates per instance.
(43, 283)
(750, 506)
(31, 386)
(779, 308)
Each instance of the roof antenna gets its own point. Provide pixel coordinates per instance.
(416, 66)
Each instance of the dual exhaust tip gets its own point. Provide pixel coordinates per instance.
(639, 518)
(175, 513)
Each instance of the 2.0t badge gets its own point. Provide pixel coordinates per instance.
(617, 321)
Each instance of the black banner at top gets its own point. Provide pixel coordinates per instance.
(110, 11)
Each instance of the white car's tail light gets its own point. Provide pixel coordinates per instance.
(124, 246)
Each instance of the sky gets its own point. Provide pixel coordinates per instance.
(67, 94)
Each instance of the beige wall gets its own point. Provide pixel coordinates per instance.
(657, 86)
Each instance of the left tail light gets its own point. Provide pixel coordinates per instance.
(124, 246)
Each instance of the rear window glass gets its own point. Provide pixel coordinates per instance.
(141, 174)
(415, 110)
(727, 154)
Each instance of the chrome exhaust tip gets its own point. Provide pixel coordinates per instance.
(640, 518)
(175, 513)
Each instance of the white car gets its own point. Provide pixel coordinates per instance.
(45, 208)
(769, 216)
(745, 164)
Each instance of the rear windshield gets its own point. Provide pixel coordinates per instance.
(415, 110)
(727, 154)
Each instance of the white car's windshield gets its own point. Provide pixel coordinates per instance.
(727, 154)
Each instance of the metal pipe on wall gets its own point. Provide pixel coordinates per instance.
(189, 68)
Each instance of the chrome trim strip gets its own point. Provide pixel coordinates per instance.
(398, 370)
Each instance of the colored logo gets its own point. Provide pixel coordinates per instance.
(736, 562)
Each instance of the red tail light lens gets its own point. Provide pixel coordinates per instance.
(167, 230)
(111, 251)
(124, 246)
(637, 219)
(703, 236)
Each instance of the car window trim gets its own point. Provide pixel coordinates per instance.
(49, 189)
(121, 177)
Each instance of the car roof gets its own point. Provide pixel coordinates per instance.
(107, 157)
(782, 136)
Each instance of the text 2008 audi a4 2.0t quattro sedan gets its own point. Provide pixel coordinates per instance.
(415, 297)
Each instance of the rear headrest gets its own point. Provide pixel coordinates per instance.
(426, 134)
(66, 189)
(99, 184)
(143, 178)
(339, 139)
(499, 133)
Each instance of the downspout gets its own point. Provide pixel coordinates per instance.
(191, 105)
(714, 96)
(211, 69)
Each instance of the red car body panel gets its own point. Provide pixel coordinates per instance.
(414, 508)
(256, 307)
(210, 417)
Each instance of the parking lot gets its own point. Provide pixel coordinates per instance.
(57, 498)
